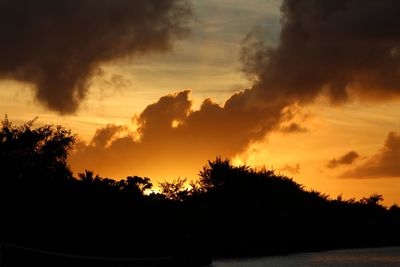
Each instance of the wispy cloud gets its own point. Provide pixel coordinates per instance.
(293, 128)
(292, 169)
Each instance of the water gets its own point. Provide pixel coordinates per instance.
(370, 257)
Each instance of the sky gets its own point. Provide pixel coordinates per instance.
(308, 88)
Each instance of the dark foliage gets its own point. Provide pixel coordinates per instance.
(40, 152)
(230, 211)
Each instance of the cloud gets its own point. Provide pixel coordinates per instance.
(347, 159)
(293, 128)
(338, 48)
(104, 136)
(59, 45)
(385, 163)
(174, 136)
(292, 169)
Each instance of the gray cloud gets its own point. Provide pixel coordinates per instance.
(347, 159)
(385, 163)
(58, 45)
(334, 47)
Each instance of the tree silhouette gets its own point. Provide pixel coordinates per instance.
(372, 200)
(87, 177)
(220, 171)
(175, 190)
(27, 151)
(135, 185)
(231, 210)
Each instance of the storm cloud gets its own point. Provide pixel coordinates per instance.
(57, 46)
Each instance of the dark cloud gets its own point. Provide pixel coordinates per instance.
(385, 163)
(336, 47)
(347, 159)
(58, 45)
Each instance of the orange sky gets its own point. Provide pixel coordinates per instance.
(152, 118)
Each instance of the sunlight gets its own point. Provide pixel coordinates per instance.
(237, 161)
(175, 123)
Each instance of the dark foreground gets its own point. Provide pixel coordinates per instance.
(229, 212)
(367, 257)
(11, 255)
(21, 256)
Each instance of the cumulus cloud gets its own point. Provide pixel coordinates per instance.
(58, 45)
(347, 159)
(171, 133)
(385, 163)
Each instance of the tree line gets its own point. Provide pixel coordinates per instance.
(230, 211)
